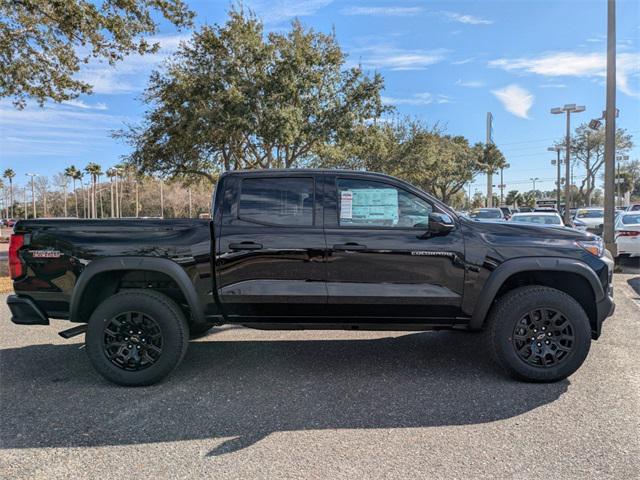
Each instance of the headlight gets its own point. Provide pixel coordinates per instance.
(594, 247)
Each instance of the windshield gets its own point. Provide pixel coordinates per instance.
(486, 214)
(541, 219)
(590, 214)
(631, 219)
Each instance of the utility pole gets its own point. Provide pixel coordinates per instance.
(610, 131)
(489, 172)
(568, 109)
(33, 193)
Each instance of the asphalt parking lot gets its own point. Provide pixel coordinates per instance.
(251, 404)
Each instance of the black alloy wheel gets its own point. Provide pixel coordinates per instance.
(543, 337)
(132, 341)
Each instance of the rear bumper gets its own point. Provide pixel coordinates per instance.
(25, 312)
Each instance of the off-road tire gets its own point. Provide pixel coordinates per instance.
(512, 308)
(167, 316)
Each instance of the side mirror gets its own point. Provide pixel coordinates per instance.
(440, 224)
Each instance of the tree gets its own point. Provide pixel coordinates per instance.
(587, 146)
(514, 198)
(72, 172)
(43, 43)
(9, 174)
(232, 98)
(529, 199)
(94, 170)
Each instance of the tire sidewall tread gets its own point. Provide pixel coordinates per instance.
(164, 311)
(510, 308)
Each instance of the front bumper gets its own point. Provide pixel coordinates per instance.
(24, 311)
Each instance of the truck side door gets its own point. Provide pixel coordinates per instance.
(380, 262)
(271, 247)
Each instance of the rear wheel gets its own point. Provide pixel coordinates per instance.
(539, 334)
(136, 337)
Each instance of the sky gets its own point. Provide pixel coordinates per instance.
(443, 62)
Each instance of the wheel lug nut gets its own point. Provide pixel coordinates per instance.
(126, 339)
(544, 328)
(533, 338)
(539, 344)
(535, 330)
(139, 332)
(549, 333)
(129, 346)
(547, 342)
(143, 340)
(138, 347)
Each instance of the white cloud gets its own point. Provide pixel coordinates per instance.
(385, 57)
(553, 85)
(54, 130)
(276, 11)
(468, 19)
(515, 99)
(418, 99)
(463, 61)
(84, 106)
(382, 11)
(131, 74)
(469, 83)
(558, 64)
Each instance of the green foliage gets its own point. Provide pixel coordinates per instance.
(231, 98)
(43, 43)
(425, 156)
(514, 197)
(587, 146)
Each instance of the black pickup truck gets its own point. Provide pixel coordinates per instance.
(312, 249)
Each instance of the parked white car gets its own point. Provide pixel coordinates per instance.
(590, 219)
(627, 231)
(549, 218)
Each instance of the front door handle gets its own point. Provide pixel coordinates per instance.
(349, 246)
(245, 246)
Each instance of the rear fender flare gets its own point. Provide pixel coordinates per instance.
(110, 264)
(528, 264)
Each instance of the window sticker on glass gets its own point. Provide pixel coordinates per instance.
(379, 205)
(346, 205)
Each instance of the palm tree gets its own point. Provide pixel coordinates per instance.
(3, 198)
(95, 171)
(111, 173)
(72, 173)
(9, 175)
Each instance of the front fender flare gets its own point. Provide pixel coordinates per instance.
(154, 264)
(529, 264)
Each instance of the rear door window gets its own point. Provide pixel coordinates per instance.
(277, 201)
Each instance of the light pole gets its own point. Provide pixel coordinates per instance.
(534, 180)
(568, 109)
(619, 159)
(33, 192)
(558, 162)
(610, 131)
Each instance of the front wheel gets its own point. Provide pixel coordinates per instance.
(137, 337)
(539, 334)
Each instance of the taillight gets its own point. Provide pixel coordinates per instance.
(628, 233)
(16, 268)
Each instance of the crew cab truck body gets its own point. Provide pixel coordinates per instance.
(322, 249)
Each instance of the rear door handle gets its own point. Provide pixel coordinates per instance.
(245, 246)
(349, 246)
